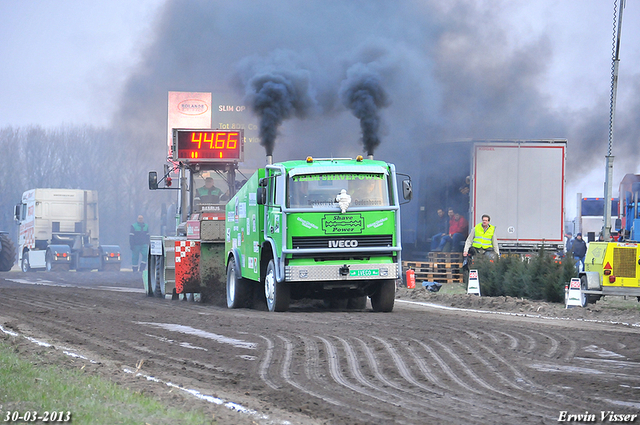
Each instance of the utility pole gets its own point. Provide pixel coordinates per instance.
(606, 231)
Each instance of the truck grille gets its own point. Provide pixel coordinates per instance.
(311, 242)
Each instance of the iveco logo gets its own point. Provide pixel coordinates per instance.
(343, 244)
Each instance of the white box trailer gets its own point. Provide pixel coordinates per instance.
(520, 185)
(59, 230)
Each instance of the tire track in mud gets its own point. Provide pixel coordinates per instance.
(336, 358)
(378, 397)
(433, 373)
(345, 367)
(409, 391)
(96, 339)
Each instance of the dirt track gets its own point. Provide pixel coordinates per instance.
(419, 364)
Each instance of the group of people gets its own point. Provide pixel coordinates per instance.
(453, 229)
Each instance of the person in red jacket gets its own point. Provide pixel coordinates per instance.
(458, 229)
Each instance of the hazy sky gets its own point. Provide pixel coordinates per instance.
(67, 61)
(64, 61)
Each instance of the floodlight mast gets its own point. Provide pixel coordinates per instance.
(606, 231)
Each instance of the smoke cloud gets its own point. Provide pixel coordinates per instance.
(454, 70)
(276, 90)
(363, 94)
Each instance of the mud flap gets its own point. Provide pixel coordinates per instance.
(213, 273)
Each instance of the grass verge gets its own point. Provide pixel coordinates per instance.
(26, 386)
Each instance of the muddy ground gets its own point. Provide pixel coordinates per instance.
(609, 309)
(437, 358)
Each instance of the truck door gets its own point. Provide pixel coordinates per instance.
(25, 232)
(275, 200)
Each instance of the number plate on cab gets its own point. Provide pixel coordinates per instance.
(360, 273)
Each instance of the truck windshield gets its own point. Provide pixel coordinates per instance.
(211, 188)
(321, 190)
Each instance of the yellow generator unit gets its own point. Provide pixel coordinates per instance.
(611, 268)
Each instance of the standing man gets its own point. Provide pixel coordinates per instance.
(579, 250)
(139, 243)
(482, 239)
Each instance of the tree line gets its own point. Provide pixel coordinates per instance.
(89, 158)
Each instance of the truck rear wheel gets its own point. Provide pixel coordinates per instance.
(48, 260)
(7, 254)
(382, 300)
(52, 266)
(237, 288)
(152, 275)
(110, 267)
(158, 282)
(277, 293)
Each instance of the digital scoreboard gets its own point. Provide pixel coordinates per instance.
(197, 145)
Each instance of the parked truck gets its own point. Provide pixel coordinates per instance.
(7, 252)
(316, 228)
(59, 231)
(518, 183)
(589, 218)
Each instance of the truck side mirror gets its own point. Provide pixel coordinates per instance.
(261, 195)
(16, 212)
(153, 180)
(407, 189)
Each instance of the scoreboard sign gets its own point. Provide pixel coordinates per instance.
(195, 145)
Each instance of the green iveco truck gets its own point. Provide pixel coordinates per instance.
(319, 228)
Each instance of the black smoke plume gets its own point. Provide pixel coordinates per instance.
(363, 94)
(276, 89)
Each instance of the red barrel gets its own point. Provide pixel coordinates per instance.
(411, 279)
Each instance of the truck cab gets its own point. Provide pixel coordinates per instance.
(318, 228)
(59, 230)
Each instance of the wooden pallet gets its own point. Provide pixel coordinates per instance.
(436, 271)
(431, 266)
(440, 277)
(445, 256)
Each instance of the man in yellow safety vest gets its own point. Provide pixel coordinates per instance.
(482, 239)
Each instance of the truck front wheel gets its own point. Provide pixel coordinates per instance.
(25, 263)
(237, 288)
(382, 300)
(277, 293)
